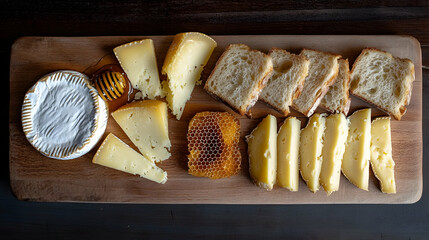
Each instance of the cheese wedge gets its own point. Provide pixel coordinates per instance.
(332, 153)
(139, 63)
(188, 54)
(146, 124)
(114, 153)
(288, 140)
(262, 149)
(381, 154)
(310, 150)
(355, 165)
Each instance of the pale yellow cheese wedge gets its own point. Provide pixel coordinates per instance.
(139, 63)
(381, 154)
(262, 149)
(114, 153)
(288, 140)
(146, 124)
(310, 150)
(355, 165)
(188, 54)
(332, 153)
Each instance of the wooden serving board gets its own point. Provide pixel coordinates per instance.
(37, 178)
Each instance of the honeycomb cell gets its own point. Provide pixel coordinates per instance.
(213, 139)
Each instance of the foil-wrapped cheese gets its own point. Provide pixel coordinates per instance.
(63, 116)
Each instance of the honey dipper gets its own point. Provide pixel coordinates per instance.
(110, 85)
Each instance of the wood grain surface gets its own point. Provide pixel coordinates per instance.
(35, 177)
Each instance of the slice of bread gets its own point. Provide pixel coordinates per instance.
(337, 99)
(383, 80)
(322, 72)
(239, 76)
(287, 80)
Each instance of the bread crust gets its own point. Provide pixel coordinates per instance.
(346, 107)
(324, 89)
(242, 110)
(299, 87)
(326, 53)
(322, 93)
(403, 106)
(349, 100)
(209, 79)
(261, 84)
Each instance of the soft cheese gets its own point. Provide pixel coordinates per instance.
(139, 63)
(146, 124)
(63, 116)
(332, 153)
(188, 54)
(355, 165)
(381, 154)
(114, 153)
(288, 140)
(310, 150)
(262, 148)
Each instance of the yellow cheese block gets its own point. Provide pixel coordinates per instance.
(310, 150)
(262, 148)
(114, 153)
(381, 154)
(288, 140)
(355, 165)
(139, 63)
(332, 153)
(188, 54)
(146, 124)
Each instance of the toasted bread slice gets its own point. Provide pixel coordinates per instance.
(287, 80)
(322, 72)
(337, 99)
(239, 76)
(383, 80)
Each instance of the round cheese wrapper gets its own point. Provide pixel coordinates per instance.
(63, 116)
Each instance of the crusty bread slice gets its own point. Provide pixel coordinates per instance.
(239, 76)
(287, 80)
(322, 72)
(337, 99)
(383, 80)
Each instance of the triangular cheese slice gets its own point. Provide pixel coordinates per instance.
(381, 154)
(262, 149)
(185, 60)
(114, 153)
(310, 150)
(355, 165)
(146, 124)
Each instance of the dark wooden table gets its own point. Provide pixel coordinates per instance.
(28, 220)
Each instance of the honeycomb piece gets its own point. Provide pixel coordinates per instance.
(213, 145)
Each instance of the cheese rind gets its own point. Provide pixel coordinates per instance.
(185, 60)
(146, 124)
(381, 154)
(63, 116)
(138, 60)
(333, 149)
(262, 149)
(310, 150)
(355, 165)
(288, 140)
(116, 154)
